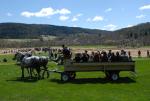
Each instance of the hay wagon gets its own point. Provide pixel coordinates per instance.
(111, 69)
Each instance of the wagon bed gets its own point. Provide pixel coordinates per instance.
(101, 66)
(111, 69)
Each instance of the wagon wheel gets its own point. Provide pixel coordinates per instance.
(45, 74)
(64, 77)
(114, 76)
(72, 75)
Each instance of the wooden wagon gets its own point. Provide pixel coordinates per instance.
(111, 69)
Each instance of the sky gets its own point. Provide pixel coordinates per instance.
(94, 14)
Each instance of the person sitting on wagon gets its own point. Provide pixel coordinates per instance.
(124, 57)
(129, 57)
(100, 56)
(91, 57)
(109, 53)
(118, 57)
(84, 58)
(104, 57)
(77, 57)
(112, 58)
(96, 57)
(86, 53)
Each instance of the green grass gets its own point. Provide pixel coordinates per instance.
(89, 86)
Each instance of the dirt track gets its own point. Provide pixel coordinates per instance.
(134, 51)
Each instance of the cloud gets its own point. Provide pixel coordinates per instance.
(88, 19)
(110, 27)
(98, 18)
(130, 25)
(140, 16)
(63, 11)
(45, 12)
(9, 14)
(145, 7)
(63, 18)
(75, 26)
(108, 10)
(95, 19)
(75, 18)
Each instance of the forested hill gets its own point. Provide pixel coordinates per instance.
(20, 30)
(139, 34)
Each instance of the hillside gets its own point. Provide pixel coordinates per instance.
(138, 35)
(19, 30)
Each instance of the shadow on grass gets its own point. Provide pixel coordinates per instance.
(96, 81)
(25, 79)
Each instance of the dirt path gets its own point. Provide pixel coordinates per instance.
(134, 51)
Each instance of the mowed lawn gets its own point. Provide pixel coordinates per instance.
(89, 86)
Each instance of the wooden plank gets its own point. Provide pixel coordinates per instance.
(121, 66)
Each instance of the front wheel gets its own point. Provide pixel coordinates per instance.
(64, 77)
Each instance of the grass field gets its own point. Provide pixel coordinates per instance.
(89, 86)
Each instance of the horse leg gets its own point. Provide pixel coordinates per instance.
(34, 72)
(30, 72)
(45, 69)
(38, 71)
(22, 69)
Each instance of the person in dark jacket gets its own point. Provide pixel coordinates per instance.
(84, 58)
(66, 52)
(78, 58)
(104, 57)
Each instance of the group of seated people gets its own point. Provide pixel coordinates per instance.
(103, 57)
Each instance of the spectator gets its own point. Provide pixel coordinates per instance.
(139, 53)
(148, 54)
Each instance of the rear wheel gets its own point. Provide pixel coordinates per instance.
(72, 75)
(114, 76)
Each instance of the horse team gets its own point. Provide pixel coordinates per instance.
(31, 62)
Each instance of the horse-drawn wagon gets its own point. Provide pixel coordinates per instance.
(111, 69)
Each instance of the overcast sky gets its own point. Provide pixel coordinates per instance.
(95, 14)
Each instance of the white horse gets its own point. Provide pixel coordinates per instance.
(31, 63)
